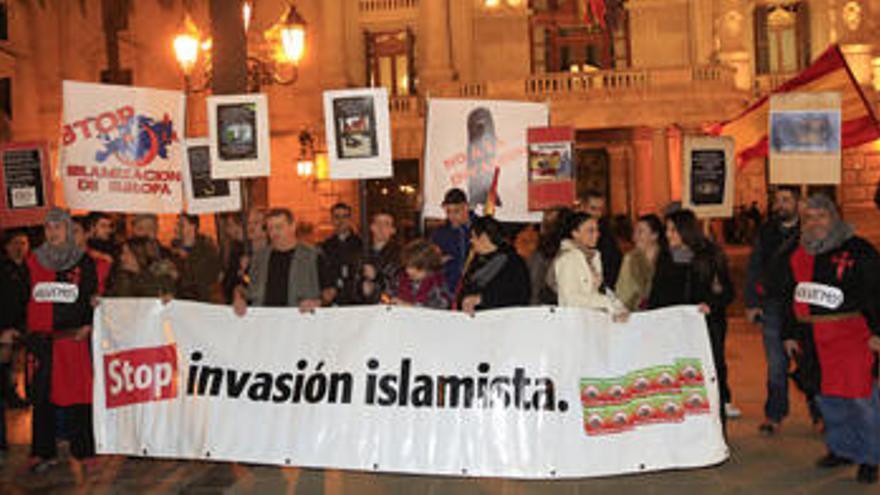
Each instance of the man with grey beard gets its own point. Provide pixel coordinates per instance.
(833, 289)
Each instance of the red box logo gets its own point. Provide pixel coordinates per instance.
(140, 375)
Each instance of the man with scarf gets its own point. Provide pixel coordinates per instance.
(834, 321)
(62, 281)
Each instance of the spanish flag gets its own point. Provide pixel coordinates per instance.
(829, 72)
(492, 198)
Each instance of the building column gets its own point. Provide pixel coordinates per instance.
(619, 179)
(674, 143)
(437, 67)
(643, 171)
(333, 74)
(661, 167)
(730, 33)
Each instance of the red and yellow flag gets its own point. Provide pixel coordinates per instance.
(492, 198)
(829, 72)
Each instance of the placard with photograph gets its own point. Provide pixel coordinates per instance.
(358, 137)
(805, 138)
(25, 183)
(238, 128)
(708, 176)
(205, 194)
(551, 167)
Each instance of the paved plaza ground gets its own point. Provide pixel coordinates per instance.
(758, 465)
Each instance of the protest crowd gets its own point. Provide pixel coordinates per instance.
(802, 255)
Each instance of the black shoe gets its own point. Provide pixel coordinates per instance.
(867, 474)
(831, 461)
(769, 428)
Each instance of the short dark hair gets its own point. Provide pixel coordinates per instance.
(11, 234)
(93, 217)
(280, 212)
(794, 190)
(489, 226)
(421, 255)
(341, 206)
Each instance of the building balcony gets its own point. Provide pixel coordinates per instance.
(373, 10)
(619, 98)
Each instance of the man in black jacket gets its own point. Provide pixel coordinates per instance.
(341, 253)
(765, 300)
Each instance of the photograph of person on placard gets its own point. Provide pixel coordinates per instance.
(23, 176)
(708, 176)
(200, 174)
(805, 132)
(237, 131)
(355, 124)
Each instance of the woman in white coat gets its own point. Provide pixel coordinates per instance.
(577, 269)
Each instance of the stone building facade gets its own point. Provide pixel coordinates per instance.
(632, 82)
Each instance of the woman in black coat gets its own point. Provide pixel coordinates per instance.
(695, 271)
(497, 277)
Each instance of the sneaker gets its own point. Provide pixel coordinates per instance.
(38, 465)
(769, 428)
(867, 474)
(832, 461)
(732, 411)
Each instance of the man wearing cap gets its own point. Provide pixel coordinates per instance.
(834, 319)
(453, 238)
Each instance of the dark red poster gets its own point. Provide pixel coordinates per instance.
(551, 167)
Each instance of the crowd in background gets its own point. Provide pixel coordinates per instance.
(469, 263)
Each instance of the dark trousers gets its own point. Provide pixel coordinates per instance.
(776, 407)
(717, 339)
(44, 420)
(4, 372)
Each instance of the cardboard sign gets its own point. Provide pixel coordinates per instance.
(551, 167)
(25, 183)
(805, 138)
(358, 133)
(203, 193)
(238, 127)
(709, 176)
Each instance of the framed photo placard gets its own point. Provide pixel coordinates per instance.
(238, 129)
(203, 193)
(25, 182)
(709, 176)
(805, 138)
(356, 123)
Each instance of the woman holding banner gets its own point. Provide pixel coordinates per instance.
(577, 269)
(496, 277)
(695, 272)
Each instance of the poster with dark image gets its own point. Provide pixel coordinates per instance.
(708, 176)
(237, 131)
(23, 178)
(805, 131)
(200, 174)
(355, 125)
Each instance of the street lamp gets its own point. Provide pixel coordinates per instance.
(273, 58)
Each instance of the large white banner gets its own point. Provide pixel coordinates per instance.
(526, 393)
(121, 148)
(467, 140)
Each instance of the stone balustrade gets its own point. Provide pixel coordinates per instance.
(561, 85)
(386, 6)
